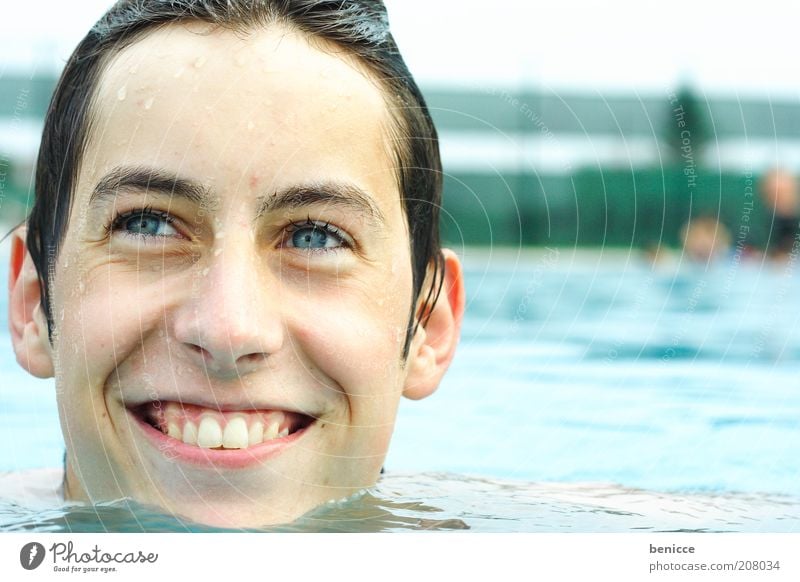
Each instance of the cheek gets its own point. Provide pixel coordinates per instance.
(101, 317)
(356, 339)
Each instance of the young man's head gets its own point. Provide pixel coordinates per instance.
(232, 267)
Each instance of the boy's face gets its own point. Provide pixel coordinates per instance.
(268, 292)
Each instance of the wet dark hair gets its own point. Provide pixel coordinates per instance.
(360, 27)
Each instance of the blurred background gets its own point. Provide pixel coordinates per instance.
(620, 181)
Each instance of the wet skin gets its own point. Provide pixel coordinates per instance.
(237, 247)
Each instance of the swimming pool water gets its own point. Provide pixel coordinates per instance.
(453, 502)
(574, 367)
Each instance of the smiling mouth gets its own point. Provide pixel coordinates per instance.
(207, 428)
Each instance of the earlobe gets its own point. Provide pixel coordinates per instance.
(433, 346)
(26, 320)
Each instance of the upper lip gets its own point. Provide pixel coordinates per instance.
(241, 405)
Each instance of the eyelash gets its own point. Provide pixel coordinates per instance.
(119, 219)
(326, 227)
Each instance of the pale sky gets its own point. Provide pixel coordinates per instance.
(621, 45)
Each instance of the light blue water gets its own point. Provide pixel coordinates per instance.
(573, 368)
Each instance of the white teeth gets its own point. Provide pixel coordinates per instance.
(174, 431)
(235, 435)
(271, 431)
(239, 432)
(190, 433)
(172, 409)
(209, 433)
(256, 434)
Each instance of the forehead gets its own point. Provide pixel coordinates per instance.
(271, 105)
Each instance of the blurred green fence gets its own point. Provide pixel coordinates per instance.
(596, 207)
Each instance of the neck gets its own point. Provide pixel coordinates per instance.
(73, 491)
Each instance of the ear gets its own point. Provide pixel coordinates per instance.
(434, 345)
(25, 315)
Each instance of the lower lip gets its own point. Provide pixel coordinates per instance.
(173, 449)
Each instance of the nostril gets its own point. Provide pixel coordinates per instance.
(204, 353)
(253, 358)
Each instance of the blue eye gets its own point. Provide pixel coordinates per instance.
(314, 236)
(146, 223)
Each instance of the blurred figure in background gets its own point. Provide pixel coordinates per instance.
(779, 192)
(705, 239)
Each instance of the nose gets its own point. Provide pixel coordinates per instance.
(230, 324)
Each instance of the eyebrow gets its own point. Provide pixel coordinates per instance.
(150, 180)
(343, 195)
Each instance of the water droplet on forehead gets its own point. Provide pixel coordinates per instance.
(122, 93)
(149, 103)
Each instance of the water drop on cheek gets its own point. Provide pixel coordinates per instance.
(122, 93)
(204, 273)
(149, 103)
